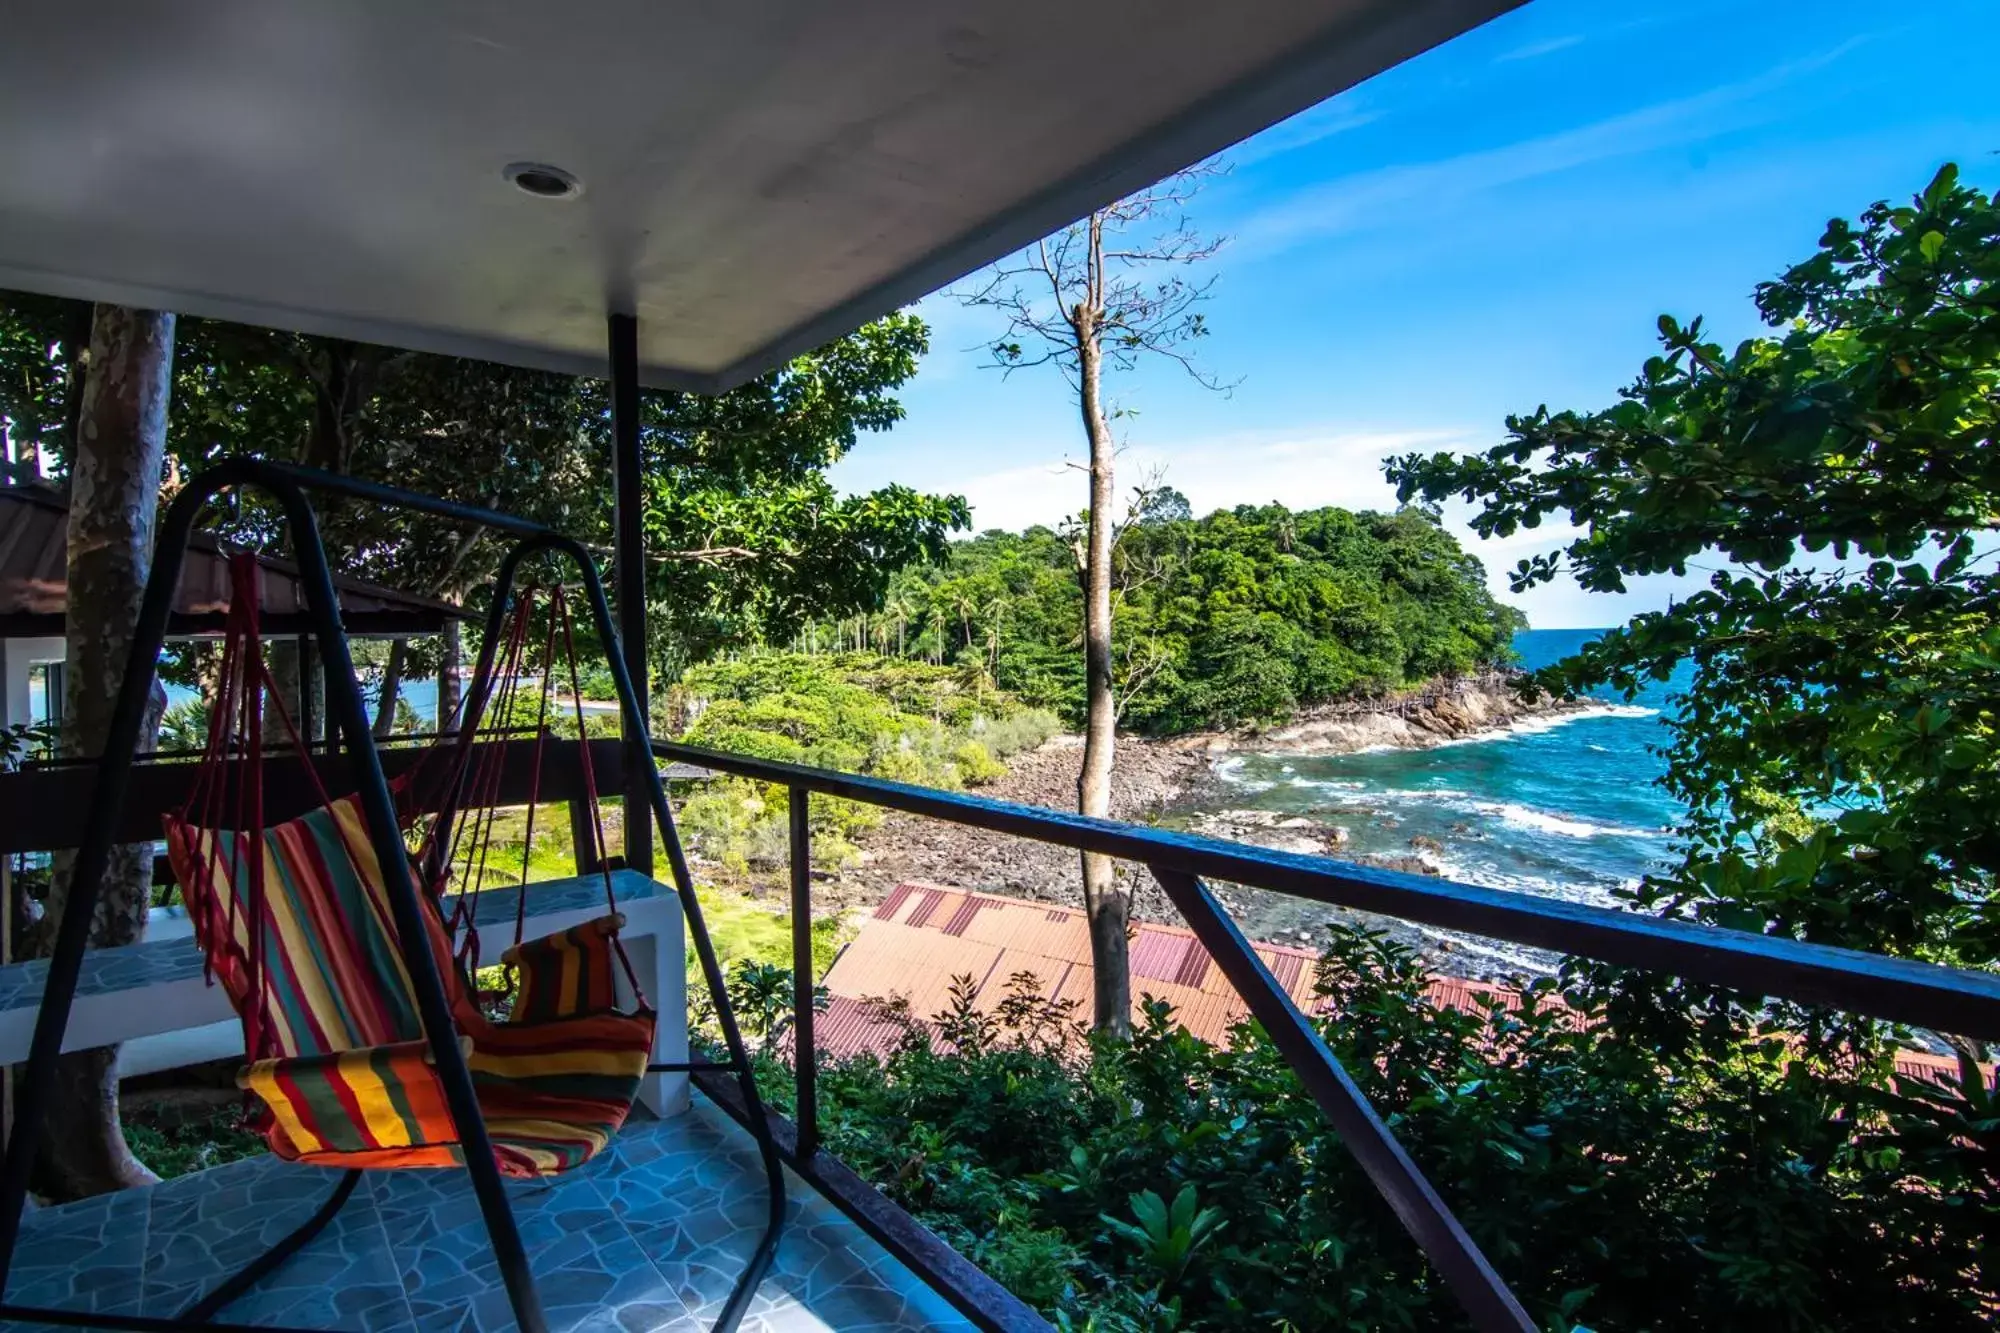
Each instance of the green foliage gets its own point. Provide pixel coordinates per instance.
(185, 726)
(906, 721)
(175, 1142)
(1166, 1236)
(1246, 615)
(22, 741)
(748, 535)
(1836, 746)
(1749, 1186)
(975, 764)
(744, 929)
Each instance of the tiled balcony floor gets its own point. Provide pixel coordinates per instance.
(650, 1236)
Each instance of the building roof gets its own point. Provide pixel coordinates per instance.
(756, 179)
(922, 939)
(34, 593)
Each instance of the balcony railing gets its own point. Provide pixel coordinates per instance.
(1922, 995)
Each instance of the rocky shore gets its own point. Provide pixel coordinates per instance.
(1445, 710)
(1173, 782)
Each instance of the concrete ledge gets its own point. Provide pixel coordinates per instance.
(154, 999)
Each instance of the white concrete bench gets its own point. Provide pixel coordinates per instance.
(152, 998)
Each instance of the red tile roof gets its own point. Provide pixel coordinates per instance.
(921, 938)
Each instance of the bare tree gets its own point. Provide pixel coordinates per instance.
(119, 461)
(1106, 292)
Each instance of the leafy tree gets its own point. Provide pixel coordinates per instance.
(1836, 744)
(747, 534)
(1105, 290)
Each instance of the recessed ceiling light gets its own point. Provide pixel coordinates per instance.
(543, 181)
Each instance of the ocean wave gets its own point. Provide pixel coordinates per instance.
(1541, 821)
(1574, 887)
(1535, 726)
(1336, 785)
(1230, 770)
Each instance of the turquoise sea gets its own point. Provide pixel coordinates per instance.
(1565, 807)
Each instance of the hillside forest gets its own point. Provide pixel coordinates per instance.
(1246, 615)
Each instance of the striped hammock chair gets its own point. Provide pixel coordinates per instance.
(296, 925)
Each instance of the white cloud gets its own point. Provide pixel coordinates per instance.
(1389, 195)
(1546, 47)
(1337, 115)
(1301, 469)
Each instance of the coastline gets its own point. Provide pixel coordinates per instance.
(1178, 782)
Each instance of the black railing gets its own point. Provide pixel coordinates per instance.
(1946, 1000)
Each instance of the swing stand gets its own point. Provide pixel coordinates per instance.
(370, 1043)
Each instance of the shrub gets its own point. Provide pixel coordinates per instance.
(976, 765)
(1747, 1185)
(909, 722)
(1016, 732)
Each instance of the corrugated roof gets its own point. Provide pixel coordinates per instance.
(922, 937)
(34, 591)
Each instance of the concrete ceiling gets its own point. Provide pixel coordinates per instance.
(758, 176)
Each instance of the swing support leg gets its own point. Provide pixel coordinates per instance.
(711, 968)
(205, 1309)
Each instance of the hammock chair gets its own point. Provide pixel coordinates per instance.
(355, 973)
(296, 925)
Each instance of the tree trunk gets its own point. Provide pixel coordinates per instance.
(392, 685)
(450, 683)
(115, 489)
(1105, 901)
(282, 657)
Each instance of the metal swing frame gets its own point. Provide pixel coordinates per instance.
(287, 485)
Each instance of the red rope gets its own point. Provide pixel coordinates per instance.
(535, 769)
(560, 606)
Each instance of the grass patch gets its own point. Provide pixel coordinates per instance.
(744, 930)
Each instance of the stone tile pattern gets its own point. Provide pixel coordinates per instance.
(651, 1235)
(106, 971)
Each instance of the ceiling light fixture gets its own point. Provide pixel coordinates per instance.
(543, 181)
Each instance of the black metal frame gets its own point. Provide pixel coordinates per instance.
(288, 485)
(1950, 1000)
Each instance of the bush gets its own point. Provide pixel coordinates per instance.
(1016, 732)
(909, 722)
(1176, 1184)
(976, 765)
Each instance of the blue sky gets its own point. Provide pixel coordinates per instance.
(1491, 226)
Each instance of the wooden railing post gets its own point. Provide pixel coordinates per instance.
(805, 1058)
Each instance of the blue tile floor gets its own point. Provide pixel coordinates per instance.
(649, 1236)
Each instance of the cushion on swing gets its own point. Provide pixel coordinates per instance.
(362, 1101)
(552, 1097)
(569, 973)
(554, 1093)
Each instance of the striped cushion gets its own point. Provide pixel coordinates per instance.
(555, 1093)
(352, 1101)
(567, 973)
